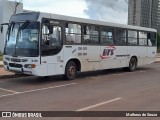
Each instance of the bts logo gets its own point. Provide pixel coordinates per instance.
(108, 52)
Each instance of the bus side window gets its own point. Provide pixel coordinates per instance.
(45, 35)
(51, 39)
(143, 38)
(107, 36)
(151, 39)
(87, 35)
(120, 36)
(132, 38)
(56, 36)
(73, 33)
(91, 34)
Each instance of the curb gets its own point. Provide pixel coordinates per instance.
(12, 76)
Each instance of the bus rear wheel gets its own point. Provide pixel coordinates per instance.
(71, 70)
(132, 64)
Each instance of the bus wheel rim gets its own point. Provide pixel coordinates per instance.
(72, 71)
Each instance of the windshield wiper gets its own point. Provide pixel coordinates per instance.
(10, 28)
(23, 26)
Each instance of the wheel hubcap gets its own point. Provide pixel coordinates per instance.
(72, 71)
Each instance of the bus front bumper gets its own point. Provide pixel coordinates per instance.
(37, 71)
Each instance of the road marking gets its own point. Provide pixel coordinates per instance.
(8, 90)
(16, 93)
(98, 77)
(48, 88)
(120, 74)
(143, 71)
(100, 104)
(93, 77)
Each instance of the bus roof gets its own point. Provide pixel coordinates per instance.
(89, 21)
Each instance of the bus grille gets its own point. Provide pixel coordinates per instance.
(15, 65)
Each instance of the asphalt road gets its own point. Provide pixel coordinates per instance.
(107, 90)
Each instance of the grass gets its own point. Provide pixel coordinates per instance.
(158, 50)
(1, 56)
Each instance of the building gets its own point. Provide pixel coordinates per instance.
(7, 9)
(145, 13)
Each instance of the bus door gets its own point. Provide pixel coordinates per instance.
(143, 48)
(121, 52)
(152, 49)
(91, 48)
(52, 54)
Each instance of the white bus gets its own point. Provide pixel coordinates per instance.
(44, 44)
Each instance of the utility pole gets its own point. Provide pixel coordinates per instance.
(17, 3)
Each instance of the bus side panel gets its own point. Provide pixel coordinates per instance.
(108, 57)
(114, 57)
(89, 56)
(141, 52)
(54, 63)
(41, 70)
(152, 51)
(122, 56)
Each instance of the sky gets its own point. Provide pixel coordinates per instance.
(105, 10)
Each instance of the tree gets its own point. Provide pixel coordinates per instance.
(158, 40)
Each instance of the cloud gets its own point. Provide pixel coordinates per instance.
(64, 7)
(105, 10)
(108, 10)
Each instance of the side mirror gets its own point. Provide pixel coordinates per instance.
(2, 26)
(1, 29)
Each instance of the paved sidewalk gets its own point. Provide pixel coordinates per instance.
(158, 59)
(4, 72)
(1, 62)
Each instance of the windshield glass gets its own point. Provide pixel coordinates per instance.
(22, 39)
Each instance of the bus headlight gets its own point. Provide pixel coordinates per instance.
(7, 58)
(5, 63)
(30, 66)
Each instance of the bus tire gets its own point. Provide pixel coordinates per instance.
(125, 68)
(18, 73)
(132, 64)
(71, 70)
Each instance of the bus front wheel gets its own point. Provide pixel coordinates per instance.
(132, 64)
(71, 70)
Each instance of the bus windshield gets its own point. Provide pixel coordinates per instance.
(22, 39)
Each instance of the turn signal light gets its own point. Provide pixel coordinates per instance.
(33, 66)
(30, 66)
